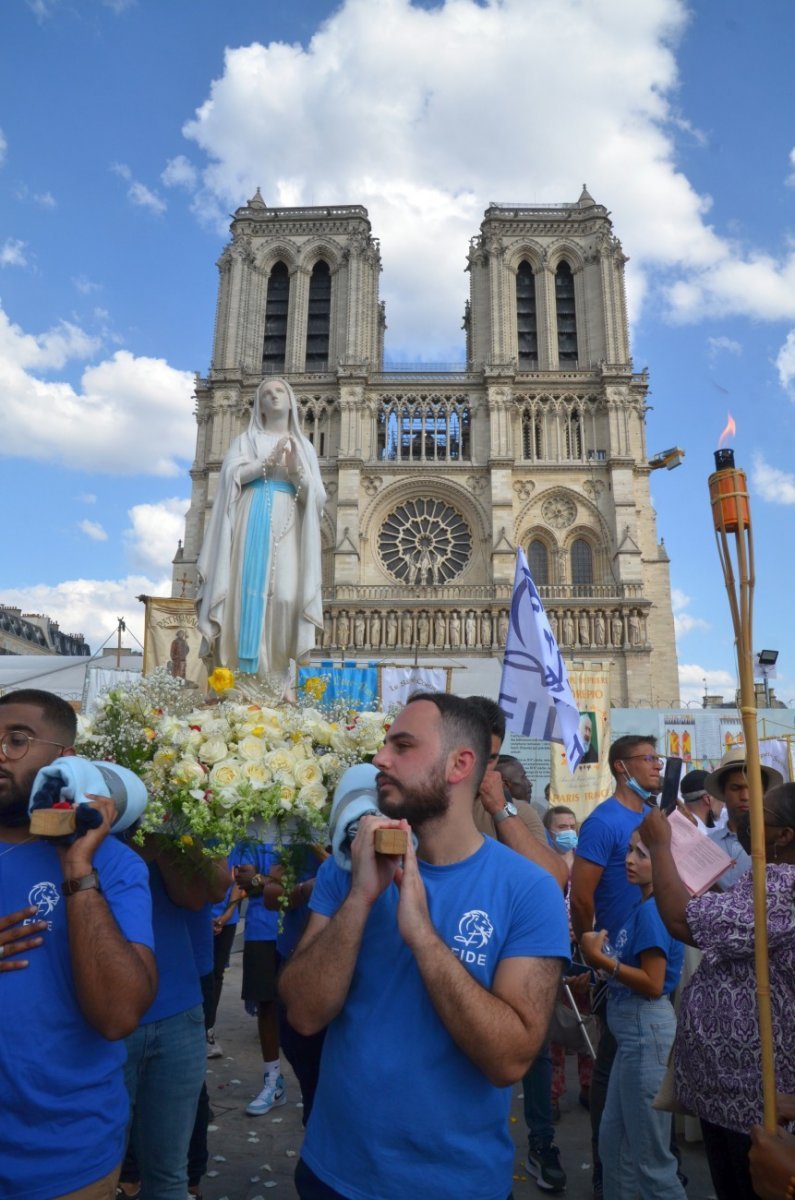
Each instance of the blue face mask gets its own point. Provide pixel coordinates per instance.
(634, 786)
(567, 840)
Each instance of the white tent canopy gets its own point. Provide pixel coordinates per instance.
(78, 679)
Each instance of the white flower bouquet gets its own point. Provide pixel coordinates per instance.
(228, 771)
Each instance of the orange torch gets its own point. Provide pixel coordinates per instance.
(731, 515)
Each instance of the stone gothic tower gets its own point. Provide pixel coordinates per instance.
(435, 477)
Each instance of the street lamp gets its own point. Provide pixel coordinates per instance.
(766, 662)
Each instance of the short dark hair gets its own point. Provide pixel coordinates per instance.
(463, 722)
(623, 746)
(557, 810)
(491, 713)
(58, 712)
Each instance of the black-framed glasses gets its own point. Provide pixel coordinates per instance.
(647, 758)
(16, 744)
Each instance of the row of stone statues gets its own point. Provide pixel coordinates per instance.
(471, 629)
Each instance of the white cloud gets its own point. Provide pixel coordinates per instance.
(773, 485)
(87, 498)
(3, 147)
(129, 415)
(394, 106)
(138, 193)
(85, 285)
(119, 6)
(45, 200)
(791, 176)
(693, 677)
(785, 363)
(92, 606)
(684, 622)
(180, 172)
(12, 253)
(94, 530)
(151, 541)
(718, 344)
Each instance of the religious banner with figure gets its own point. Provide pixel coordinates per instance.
(679, 737)
(592, 782)
(350, 684)
(172, 640)
(398, 683)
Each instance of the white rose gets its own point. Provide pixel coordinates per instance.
(225, 774)
(279, 760)
(213, 750)
(313, 796)
(252, 749)
(256, 773)
(330, 765)
(188, 772)
(307, 772)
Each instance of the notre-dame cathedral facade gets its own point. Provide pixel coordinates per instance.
(435, 477)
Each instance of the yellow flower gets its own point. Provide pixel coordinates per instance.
(315, 686)
(149, 734)
(221, 680)
(186, 839)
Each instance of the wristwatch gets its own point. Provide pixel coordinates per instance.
(83, 884)
(510, 810)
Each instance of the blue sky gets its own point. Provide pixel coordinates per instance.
(131, 129)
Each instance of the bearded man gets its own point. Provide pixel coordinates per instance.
(436, 974)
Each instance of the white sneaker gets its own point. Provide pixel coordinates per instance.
(213, 1048)
(271, 1096)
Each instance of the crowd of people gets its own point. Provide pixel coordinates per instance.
(408, 993)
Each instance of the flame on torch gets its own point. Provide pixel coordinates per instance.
(729, 431)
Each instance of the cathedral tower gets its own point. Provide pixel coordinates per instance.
(434, 478)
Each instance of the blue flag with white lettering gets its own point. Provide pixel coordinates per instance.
(535, 693)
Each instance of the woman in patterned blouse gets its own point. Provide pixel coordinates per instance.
(717, 1052)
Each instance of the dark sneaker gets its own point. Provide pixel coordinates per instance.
(543, 1163)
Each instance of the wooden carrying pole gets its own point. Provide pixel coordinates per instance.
(732, 519)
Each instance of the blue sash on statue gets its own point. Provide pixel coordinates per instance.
(255, 570)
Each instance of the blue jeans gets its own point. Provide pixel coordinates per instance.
(634, 1138)
(537, 1086)
(166, 1065)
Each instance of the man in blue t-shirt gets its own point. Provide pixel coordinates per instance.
(601, 896)
(436, 974)
(78, 972)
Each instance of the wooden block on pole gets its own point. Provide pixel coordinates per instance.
(391, 841)
(53, 822)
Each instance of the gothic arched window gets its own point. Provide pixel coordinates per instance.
(581, 566)
(567, 317)
(319, 318)
(526, 327)
(274, 347)
(538, 562)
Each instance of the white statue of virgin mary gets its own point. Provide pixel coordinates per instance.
(259, 599)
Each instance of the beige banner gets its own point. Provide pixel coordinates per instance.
(171, 640)
(591, 782)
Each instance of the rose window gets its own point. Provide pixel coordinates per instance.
(425, 542)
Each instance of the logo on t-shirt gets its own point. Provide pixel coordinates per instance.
(474, 929)
(45, 896)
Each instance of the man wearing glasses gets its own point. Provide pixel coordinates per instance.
(601, 895)
(76, 974)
